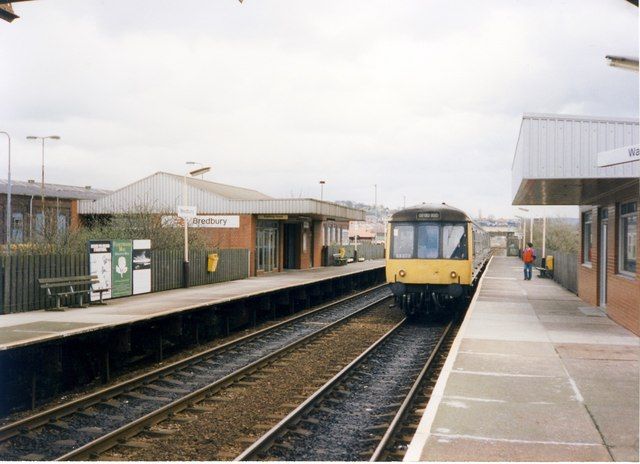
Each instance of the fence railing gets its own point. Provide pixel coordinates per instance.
(565, 269)
(21, 292)
(365, 250)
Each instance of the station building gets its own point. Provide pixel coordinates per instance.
(556, 163)
(29, 215)
(279, 233)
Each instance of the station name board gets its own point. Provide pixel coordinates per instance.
(619, 156)
(213, 221)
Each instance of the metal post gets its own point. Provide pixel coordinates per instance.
(531, 231)
(185, 264)
(544, 234)
(42, 191)
(8, 225)
(322, 190)
(524, 232)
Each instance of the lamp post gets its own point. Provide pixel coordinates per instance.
(185, 264)
(198, 163)
(524, 228)
(8, 225)
(35, 137)
(322, 182)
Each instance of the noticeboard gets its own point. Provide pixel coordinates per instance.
(121, 275)
(100, 266)
(141, 266)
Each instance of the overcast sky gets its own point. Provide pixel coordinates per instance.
(423, 98)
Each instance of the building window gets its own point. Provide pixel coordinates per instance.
(628, 237)
(586, 237)
(17, 228)
(62, 223)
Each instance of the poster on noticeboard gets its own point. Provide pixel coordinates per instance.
(100, 266)
(141, 266)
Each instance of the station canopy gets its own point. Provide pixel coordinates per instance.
(556, 159)
(162, 192)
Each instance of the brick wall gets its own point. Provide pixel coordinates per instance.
(243, 237)
(623, 292)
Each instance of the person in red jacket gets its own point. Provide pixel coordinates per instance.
(528, 256)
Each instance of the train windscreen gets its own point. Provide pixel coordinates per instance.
(429, 241)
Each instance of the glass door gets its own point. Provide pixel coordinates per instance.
(267, 246)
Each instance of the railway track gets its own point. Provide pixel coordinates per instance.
(368, 410)
(91, 425)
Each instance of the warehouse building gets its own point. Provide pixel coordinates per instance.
(556, 163)
(279, 233)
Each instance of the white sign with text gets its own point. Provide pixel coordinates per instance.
(208, 221)
(619, 156)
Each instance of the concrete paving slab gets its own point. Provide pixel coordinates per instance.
(506, 330)
(566, 423)
(625, 454)
(591, 351)
(617, 424)
(451, 448)
(511, 388)
(510, 364)
(507, 347)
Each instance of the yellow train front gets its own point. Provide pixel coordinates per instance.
(434, 254)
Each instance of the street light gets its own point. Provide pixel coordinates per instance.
(8, 225)
(322, 189)
(185, 264)
(194, 163)
(35, 137)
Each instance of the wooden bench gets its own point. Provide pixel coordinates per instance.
(59, 287)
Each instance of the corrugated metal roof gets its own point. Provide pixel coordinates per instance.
(163, 192)
(555, 161)
(19, 187)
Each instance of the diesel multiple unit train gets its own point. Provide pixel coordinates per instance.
(434, 257)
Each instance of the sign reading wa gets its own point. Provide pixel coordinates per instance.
(121, 268)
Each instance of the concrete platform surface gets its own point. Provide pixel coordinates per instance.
(534, 374)
(26, 328)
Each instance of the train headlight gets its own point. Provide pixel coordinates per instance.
(453, 274)
(402, 273)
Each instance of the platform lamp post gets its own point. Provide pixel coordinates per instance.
(185, 264)
(35, 137)
(524, 228)
(322, 182)
(192, 163)
(8, 225)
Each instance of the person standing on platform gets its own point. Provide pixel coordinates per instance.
(528, 256)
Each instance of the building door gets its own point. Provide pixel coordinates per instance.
(603, 258)
(291, 246)
(267, 246)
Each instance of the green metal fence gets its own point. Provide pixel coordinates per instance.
(21, 292)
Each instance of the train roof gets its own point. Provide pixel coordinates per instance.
(431, 212)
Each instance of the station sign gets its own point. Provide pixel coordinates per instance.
(273, 217)
(619, 156)
(187, 212)
(204, 221)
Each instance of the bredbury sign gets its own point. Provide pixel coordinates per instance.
(220, 222)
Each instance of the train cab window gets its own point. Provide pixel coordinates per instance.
(454, 242)
(428, 241)
(402, 242)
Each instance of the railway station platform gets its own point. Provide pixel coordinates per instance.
(534, 374)
(33, 327)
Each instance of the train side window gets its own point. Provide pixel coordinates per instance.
(454, 242)
(428, 241)
(402, 242)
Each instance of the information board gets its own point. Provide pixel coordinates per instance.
(121, 275)
(141, 266)
(100, 266)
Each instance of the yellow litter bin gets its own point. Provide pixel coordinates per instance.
(549, 262)
(212, 262)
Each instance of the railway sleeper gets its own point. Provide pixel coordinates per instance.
(157, 432)
(135, 444)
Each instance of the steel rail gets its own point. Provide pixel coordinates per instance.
(120, 435)
(404, 407)
(266, 440)
(58, 412)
